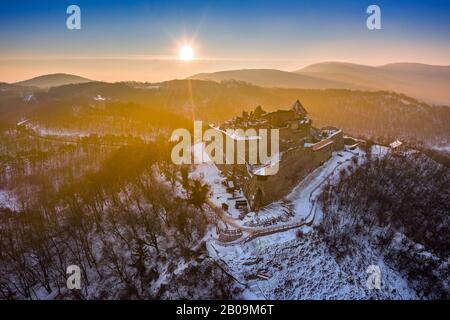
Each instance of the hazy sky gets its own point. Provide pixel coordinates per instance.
(140, 40)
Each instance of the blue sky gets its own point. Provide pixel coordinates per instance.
(225, 34)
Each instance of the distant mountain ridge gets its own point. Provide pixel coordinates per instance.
(429, 83)
(53, 80)
(273, 78)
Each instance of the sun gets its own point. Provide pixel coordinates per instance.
(186, 53)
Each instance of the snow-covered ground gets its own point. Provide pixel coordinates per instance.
(46, 132)
(378, 150)
(302, 267)
(50, 132)
(303, 196)
(28, 97)
(8, 200)
(443, 148)
(210, 174)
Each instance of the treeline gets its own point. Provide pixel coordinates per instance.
(131, 227)
(398, 204)
(131, 108)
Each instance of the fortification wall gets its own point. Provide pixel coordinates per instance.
(294, 166)
(338, 140)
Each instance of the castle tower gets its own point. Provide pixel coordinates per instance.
(299, 110)
(259, 112)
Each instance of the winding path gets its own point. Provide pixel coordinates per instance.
(254, 232)
(33, 134)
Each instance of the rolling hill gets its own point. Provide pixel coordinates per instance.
(424, 82)
(368, 77)
(274, 79)
(53, 80)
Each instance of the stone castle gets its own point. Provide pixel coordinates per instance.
(302, 148)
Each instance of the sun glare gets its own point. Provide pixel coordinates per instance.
(186, 53)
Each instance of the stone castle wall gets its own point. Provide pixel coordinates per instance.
(294, 166)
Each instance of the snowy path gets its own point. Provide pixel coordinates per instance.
(303, 197)
(63, 138)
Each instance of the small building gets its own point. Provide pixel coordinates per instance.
(230, 187)
(396, 144)
(241, 203)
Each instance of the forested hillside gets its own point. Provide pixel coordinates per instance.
(398, 206)
(133, 108)
(128, 217)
